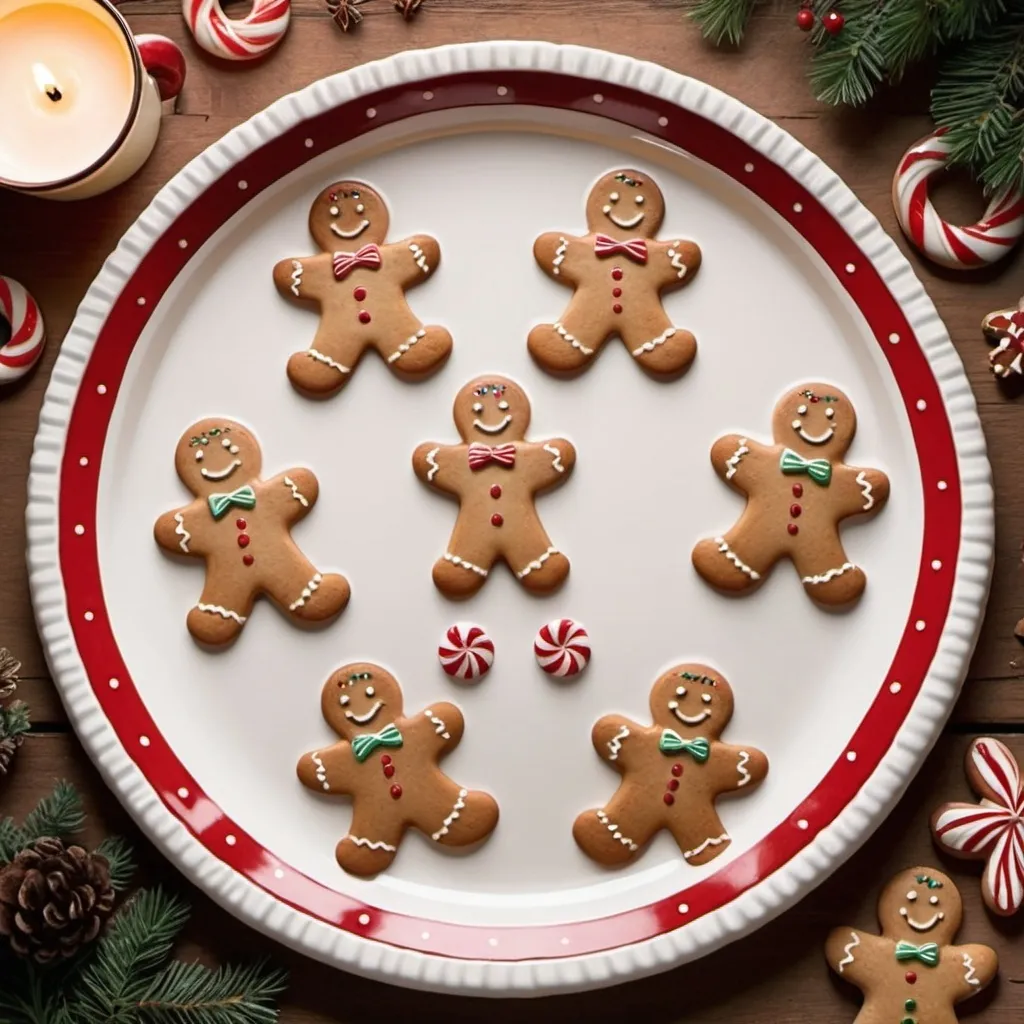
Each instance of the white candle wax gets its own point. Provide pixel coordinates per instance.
(66, 84)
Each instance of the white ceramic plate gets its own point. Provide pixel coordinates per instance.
(485, 146)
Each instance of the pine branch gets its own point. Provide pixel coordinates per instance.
(722, 20)
(121, 859)
(60, 814)
(10, 839)
(959, 20)
(195, 994)
(14, 719)
(849, 67)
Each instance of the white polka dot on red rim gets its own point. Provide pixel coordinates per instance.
(140, 301)
(230, 839)
(804, 824)
(424, 936)
(921, 405)
(492, 941)
(143, 741)
(936, 564)
(243, 185)
(89, 616)
(895, 687)
(309, 143)
(894, 338)
(598, 98)
(428, 95)
(663, 122)
(942, 485)
(182, 243)
(79, 530)
(798, 207)
(502, 90)
(114, 683)
(278, 873)
(183, 793)
(364, 919)
(101, 389)
(683, 908)
(371, 112)
(850, 268)
(919, 625)
(851, 755)
(84, 460)
(748, 168)
(564, 940)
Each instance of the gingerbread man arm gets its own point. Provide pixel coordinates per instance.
(436, 465)
(329, 770)
(854, 955)
(731, 454)
(417, 257)
(305, 280)
(674, 262)
(176, 531)
(548, 462)
(740, 768)
(972, 967)
(615, 738)
(862, 491)
(555, 254)
(292, 494)
(439, 727)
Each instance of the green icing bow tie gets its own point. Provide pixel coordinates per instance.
(672, 743)
(819, 470)
(244, 497)
(363, 746)
(928, 954)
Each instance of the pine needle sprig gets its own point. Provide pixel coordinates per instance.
(848, 68)
(722, 21)
(958, 20)
(60, 814)
(121, 859)
(196, 994)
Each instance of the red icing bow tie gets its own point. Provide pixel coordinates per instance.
(346, 262)
(482, 454)
(635, 249)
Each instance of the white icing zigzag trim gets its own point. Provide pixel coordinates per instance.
(224, 613)
(556, 462)
(370, 844)
(650, 346)
(710, 841)
(297, 269)
(563, 244)
(741, 767)
(417, 255)
(327, 360)
(455, 560)
(969, 973)
(735, 559)
(848, 950)
(321, 771)
(865, 486)
(536, 563)
(830, 575)
(296, 493)
(459, 804)
(182, 532)
(439, 727)
(307, 592)
(575, 342)
(432, 463)
(615, 743)
(677, 260)
(614, 829)
(406, 345)
(733, 462)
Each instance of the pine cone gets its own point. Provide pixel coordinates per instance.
(9, 668)
(54, 899)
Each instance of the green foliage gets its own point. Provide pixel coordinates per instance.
(60, 814)
(722, 21)
(121, 859)
(14, 719)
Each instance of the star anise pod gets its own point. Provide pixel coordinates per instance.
(346, 13)
(9, 667)
(407, 8)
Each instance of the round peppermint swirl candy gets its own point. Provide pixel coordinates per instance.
(562, 648)
(28, 336)
(237, 38)
(466, 652)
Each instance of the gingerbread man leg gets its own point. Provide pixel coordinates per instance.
(701, 838)
(662, 349)
(465, 566)
(307, 593)
(538, 565)
(727, 562)
(222, 610)
(415, 349)
(472, 816)
(568, 345)
(828, 576)
(370, 845)
(326, 366)
(614, 834)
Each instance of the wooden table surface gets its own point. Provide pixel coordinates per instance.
(778, 973)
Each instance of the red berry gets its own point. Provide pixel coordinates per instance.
(677, 769)
(911, 977)
(616, 292)
(616, 308)
(385, 759)
(798, 490)
(805, 19)
(673, 784)
(795, 510)
(833, 22)
(617, 274)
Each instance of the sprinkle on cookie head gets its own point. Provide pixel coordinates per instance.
(347, 216)
(360, 698)
(816, 420)
(692, 699)
(625, 204)
(492, 410)
(920, 905)
(217, 455)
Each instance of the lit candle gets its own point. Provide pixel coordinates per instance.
(80, 113)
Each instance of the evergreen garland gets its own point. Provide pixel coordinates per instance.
(124, 977)
(979, 90)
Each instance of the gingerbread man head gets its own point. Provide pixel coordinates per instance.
(920, 905)
(491, 408)
(217, 455)
(817, 420)
(348, 215)
(625, 204)
(360, 697)
(693, 700)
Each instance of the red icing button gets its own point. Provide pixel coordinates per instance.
(359, 294)
(243, 540)
(617, 308)
(669, 799)
(673, 784)
(616, 292)
(795, 510)
(793, 529)
(495, 490)
(798, 490)
(389, 770)
(497, 519)
(910, 975)
(385, 759)
(364, 317)
(396, 792)
(248, 559)
(616, 274)
(241, 524)
(677, 769)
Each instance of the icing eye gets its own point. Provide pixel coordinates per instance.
(680, 691)
(226, 443)
(706, 698)
(344, 699)
(355, 195)
(335, 211)
(912, 895)
(199, 455)
(802, 409)
(934, 901)
(477, 407)
(639, 200)
(503, 406)
(614, 197)
(370, 691)
(830, 413)
(360, 208)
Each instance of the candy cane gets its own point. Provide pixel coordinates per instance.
(28, 335)
(237, 38)
(466, 652)
(562, 648)
(957, 247)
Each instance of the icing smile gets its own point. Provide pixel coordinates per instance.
(690, 719)
(814, 438)
(619, 222)
(497, 428)
(368, 717)
(350, 234)
(921, 926)
(221, 474)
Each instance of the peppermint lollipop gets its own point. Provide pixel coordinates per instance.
(562, 648)
(28, 335)
(466, 652)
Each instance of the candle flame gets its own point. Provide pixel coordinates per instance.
(45, 81)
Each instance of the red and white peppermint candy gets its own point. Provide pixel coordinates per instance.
(959, 247)
(993, 829)
(466, 652)
(562, 648)
(237, 38)
(28, 335)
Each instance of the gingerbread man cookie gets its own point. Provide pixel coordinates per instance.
(359, 283)
(672, 771)
(496, 473)
(388, 764)
(241, 526)
(911, 974)
(798, 491)
(618, 271)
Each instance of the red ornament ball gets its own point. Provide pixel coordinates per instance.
(805, 19)
(833, 23)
